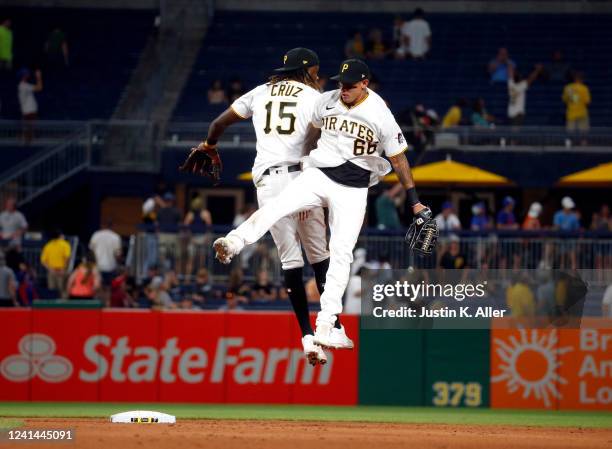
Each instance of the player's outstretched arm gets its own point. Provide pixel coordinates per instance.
(402, 169)
(204, 159)
(423, 232)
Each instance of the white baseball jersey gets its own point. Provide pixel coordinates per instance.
(359, 134)
(281, 113)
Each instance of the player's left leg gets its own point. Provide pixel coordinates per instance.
(347, 207)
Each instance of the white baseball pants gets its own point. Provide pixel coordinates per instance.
(347, 207)
(289, 231)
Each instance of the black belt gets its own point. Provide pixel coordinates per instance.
(290, 169)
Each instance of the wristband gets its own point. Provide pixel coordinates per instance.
(210, 142)
(412, 196)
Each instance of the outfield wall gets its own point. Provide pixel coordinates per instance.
(253, 357)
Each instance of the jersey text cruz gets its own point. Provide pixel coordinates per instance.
(285, 90)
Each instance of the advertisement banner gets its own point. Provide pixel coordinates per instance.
(565, 369)
(174, 356)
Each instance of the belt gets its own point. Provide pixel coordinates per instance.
(278, 170)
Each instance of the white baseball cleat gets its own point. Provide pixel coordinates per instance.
(339, 339)
(322, 335)
(224, 250)
(313, 353)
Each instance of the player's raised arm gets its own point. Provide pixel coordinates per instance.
(310, 139)
(204, 159)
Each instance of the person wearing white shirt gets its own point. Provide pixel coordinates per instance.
(606, 304)
(517, 92)
(106, 246)
(415, 40)
(447, 220)
(27, 101)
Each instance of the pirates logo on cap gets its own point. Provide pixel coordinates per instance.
(285, 60)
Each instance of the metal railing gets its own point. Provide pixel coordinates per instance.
(181, 253)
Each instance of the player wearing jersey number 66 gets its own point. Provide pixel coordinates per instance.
(356, 128)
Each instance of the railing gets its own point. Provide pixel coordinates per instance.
(45, 170)
(185, 255)
(242, 135)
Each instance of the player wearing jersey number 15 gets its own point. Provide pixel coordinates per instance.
(356, 129)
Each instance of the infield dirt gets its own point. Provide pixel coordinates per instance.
(234, 434)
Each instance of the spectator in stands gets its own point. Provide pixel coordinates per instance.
(216, 93)
(398, 23)
(55, 257)
(56, 49)
(199, 223)
(480, 220)
(106, 246)
(376, 48)
(505, 217)
(13, 223)
(519, 297)
(235, 90)
(447, 220)
(6, 45)
(602, 221)
(498, 66)
(84, 282)
(545, 293)
(262, 289)
(454, 114)
(27, 101)
(172, 285)
(149, 226)
(121, 293)
(566, 219)
(577, 98)
(14, 256)
(202, 290)
(386, 207)
(168, 221)
(517, 93)
(26, 285)
(237, 287)
(415, 37)
(8, 285)
(557, 70)
(423, 123)
(453, 258)
(480, 117)
(532, 220)
(354, 46)
(606, 303)
(158, 296)
(232, 302)
(322, 81)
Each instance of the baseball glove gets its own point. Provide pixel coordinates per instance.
(204, 160)
(422, 234)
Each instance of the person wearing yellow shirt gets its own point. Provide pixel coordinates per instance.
(520, 298)
(55, 257)
(454, 114)
(577, 97)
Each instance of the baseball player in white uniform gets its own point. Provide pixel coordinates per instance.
(356, 128)
(281, 110)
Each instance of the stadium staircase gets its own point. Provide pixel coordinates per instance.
(155, 86)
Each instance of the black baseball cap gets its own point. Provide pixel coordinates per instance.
(298, 58)
(352, 71)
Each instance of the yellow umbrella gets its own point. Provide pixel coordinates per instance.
(598, 175)
(448, 172)
(246, 176)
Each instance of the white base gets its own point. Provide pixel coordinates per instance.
(143, 416)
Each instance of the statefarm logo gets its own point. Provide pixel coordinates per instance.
(36, 358)
(120, 361)
(530, 365)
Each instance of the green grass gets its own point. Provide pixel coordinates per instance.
(8, 424)
(317, 413)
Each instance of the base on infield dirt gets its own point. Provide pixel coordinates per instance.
(142, 417)
(274, 434)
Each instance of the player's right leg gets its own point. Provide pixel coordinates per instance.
(347, 207)
(298, 195)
